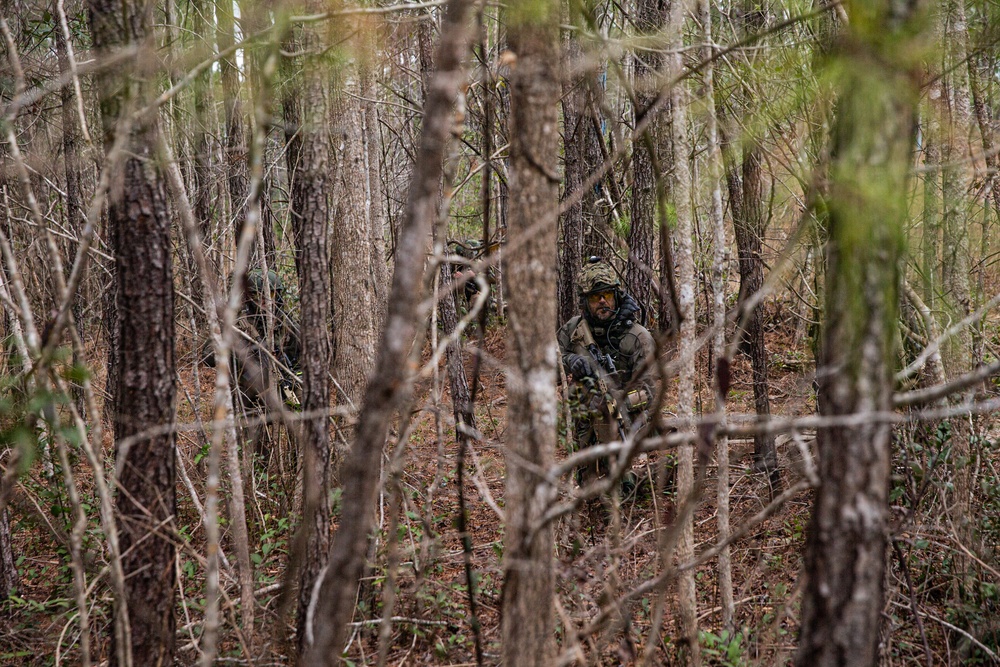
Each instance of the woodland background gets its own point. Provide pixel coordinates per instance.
(252, 410)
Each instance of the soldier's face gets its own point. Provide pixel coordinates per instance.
(602, 305)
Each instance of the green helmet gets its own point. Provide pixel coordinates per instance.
(597, 275)
(255, 283)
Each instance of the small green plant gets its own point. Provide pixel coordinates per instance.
(723, 649)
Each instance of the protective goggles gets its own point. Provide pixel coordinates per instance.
(595, 298)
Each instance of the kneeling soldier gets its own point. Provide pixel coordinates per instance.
(609, 358)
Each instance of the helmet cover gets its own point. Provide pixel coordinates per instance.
(597, 275)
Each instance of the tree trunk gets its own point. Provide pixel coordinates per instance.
(389, 383)
(311, 169)
(748, 222)
(235, 149)
(72, 202)
(575, 132)
(140, 239)
(719, 280)
(353, 257)
(582, 158)
(527, 612)
(202, 178)
(684, 239)
(668, 319)
(375, 197)
(746, 197)
(640, 272)
(204, 197)
(955, 288)
(10, 582)
(255, 19)
(845, 549)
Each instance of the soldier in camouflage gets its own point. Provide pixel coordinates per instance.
(605, 341)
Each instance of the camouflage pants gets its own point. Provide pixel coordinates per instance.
(592, 425)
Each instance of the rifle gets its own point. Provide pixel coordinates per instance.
(584, 337)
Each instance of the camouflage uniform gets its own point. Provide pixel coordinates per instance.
(472, 250)
(627, 343)
(286, 339)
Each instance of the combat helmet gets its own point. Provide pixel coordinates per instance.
(597, 275)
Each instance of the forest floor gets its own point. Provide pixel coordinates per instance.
(602, 552)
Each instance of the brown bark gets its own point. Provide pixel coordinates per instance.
(575, 132)
(204, 192)
(10, 582)
(684, 238)
(145, 381)
(356, 309)
(748, 221)
(640, 271)
(255, 19)
(527, 612)
(845, 549)
(668, 316)
(310, 161)
(746, 198)
(955, 270)
(465, 426)
(235, 149)
(584, 230)
(72, 202)
(389, 383)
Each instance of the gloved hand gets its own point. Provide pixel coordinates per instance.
(579, 366)
(628, 309)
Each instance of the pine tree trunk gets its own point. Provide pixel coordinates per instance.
(577, 131)
(719, 280)
(235, 149)
(73, 200)
(205, 193)
(311, 169)
(356, 310)
(684, 239)
(746, 197)
(145, 381)
(527, 613)
(845, 550)
(10, 582)
(955, 270)
(640, 271)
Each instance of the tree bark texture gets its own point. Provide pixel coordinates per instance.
(145, 381)
(575, 132)
(683, 233)
(748, 221)
(719, 278)
(668, 318)
(746, 196)
(235, 149)
(872, 143)
(10, 582)
(73, 199)
(388, 386)
(310, 165)
(356, 308)
(955, 271)
(642, 262)
(527, 612)
(582, 157)
(255, 19)
(204, 197)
